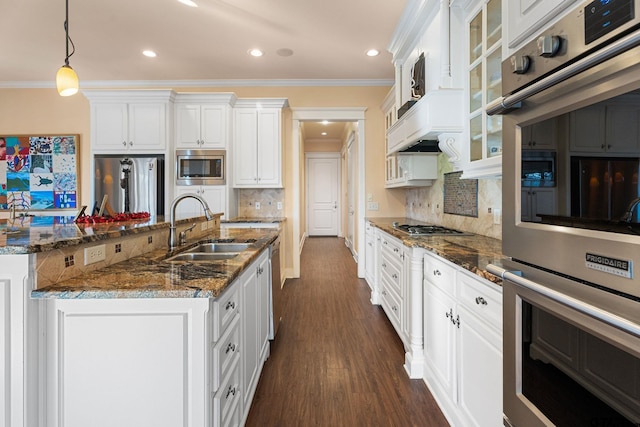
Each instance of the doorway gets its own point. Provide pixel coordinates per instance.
(346, 114)
(323, 194)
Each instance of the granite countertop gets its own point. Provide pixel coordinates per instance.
(33, 234)
(250, 219)
(150, 276)
(471, 252)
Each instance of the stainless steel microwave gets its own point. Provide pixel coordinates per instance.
(200, 167)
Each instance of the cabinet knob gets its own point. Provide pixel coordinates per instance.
(481, 301)
(449, 314)
(384, 293)
(230, 305)
(437, 273)
(384, 265)
(130, 143)
(394, 275)
(124, 143)
(230, 347)
(230, 391)
(395, 250)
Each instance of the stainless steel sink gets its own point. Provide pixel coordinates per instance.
(214, 247)
(202, 257)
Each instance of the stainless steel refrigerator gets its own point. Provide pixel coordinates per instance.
(132, 183)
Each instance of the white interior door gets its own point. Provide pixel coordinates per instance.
(351, 176)
(323, 178)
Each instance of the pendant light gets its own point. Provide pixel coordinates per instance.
(66, 78)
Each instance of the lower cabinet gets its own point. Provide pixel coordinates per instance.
(156, 361)
(463, 344)
(18, 342)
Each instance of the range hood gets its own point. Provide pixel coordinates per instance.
(423, 146)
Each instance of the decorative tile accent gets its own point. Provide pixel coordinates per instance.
(268, 199)
(118, 248)
(150, 240)
(460, 195)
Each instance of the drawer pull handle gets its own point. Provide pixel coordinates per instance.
(231, 390)
(480, 300)
(437, 273)
(230, 305)
(449, 315)
(231, 347)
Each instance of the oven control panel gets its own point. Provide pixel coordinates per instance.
(586, 28)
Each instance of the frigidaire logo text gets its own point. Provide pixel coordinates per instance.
(609, 262)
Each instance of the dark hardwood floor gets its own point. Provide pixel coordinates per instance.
(337, 360)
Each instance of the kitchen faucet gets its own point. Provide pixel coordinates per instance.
(628, 215)
(172, 219)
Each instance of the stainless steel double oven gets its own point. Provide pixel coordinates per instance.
(571, 291)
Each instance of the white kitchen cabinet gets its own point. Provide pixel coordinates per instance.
(18, 342)
(538, 201)
(254, 326)
(411, 170)
(155, 361)
(214, 195)
(525, 18)
(136, 121)
(463, 344)
(203, 120)
(257, 144)
(587, 129)
(371, 260)
(484, 77)
(393, 284)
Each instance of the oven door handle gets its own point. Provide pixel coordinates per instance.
(580, 306)
(507, 103)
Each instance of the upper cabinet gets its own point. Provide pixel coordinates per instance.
(525, 18)
(257, 143)
(484, 78)
(130, 120)
(202, 120)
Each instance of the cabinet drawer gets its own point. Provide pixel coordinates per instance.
(228, 396)
(392, 306)
(391, 273)
(483, 299)
(392, 247)
(225, 309)
(440, 274)
(225, 352)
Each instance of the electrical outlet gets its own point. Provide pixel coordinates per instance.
(94, 254)
(279, 206)
(204, 225)
(257, 205)
(372, 206)
(497, 216)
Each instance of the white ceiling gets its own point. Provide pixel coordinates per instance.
(328, 37)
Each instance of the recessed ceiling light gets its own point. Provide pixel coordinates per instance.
(325, 122)
(188, 3)
(149, 53)
(373, 52)
(284, 52)
(323, 134)
(255, 52)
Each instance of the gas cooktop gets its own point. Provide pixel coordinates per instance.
(429, 230)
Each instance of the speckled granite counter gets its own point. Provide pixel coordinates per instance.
(151, 276)
(26, 235)
(471, 252)
(247, 219)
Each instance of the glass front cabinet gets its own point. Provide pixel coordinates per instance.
(484, 78)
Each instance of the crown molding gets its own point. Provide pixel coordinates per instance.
(155, 84)
(417, 16)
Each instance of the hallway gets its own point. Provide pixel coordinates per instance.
(337, 360)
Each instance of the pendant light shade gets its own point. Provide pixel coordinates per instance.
(67, 81)
(66, 78)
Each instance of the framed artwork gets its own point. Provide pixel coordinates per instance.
(38, 172)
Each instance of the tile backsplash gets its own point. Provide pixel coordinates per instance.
(268, 198)
(427, 204)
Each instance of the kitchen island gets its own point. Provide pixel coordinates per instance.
(138, 340)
